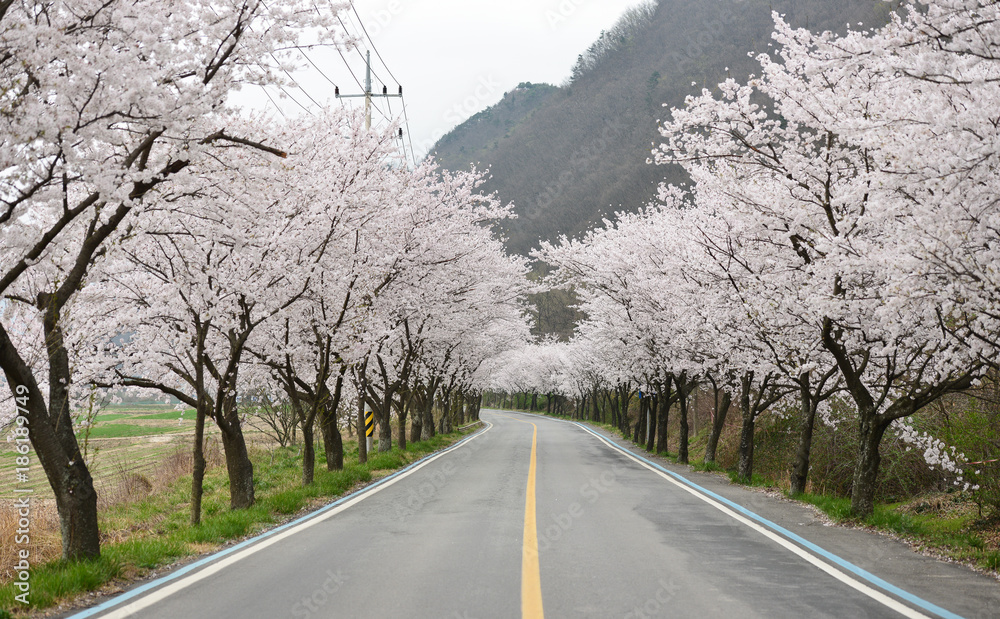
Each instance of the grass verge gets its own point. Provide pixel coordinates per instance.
(142, 535)
(952, 531)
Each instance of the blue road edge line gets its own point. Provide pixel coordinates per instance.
(840, 562)
(128, 595)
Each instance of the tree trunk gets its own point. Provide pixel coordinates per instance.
(427, 430)
(417, 423)
(718, 423)
(198, 470)
(624, 398)
(652, 408)
(57, 448)
(402, 413)
(800, 467)
(76, 504)
(239, 467)
(477, 407)
(870, 433)
(333, 442)
(663, 423)
(683, 390)
(384, 425)
(333, 445)
(446, 414)
(362, 437)
(640, 423)
(745, 470)
(308, 454)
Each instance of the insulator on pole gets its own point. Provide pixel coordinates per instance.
(400, 133)
(336, 91)
(385, 90)
(400, 91)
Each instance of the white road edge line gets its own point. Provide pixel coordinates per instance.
(159, 594)
(878, 596)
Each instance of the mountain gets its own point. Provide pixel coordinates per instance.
(568, 155)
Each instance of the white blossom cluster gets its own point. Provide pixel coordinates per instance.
(936, 453)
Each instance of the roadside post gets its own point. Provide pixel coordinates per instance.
(369, 426)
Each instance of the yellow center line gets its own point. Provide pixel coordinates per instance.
(531, 580)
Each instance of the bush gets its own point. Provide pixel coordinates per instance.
(834, 450)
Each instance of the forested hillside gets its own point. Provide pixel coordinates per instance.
(570, 154)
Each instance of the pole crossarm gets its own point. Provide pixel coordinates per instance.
(368, 94)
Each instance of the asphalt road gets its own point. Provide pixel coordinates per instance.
(536, 515)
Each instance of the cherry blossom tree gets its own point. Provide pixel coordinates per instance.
(207, 272)
(194, 284)
(935, 77)
(775, 151)
(639, 296)
(484, 317)
(347, 176)
(443, 249)
(106, 103)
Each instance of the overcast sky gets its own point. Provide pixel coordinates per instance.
(457, 57)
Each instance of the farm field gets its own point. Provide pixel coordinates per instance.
(124, 439)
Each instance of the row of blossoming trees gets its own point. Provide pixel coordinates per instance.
(840, 239)
(154, 239)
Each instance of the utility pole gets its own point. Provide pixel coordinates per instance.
(368, 93)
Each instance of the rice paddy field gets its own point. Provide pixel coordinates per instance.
(123, 439)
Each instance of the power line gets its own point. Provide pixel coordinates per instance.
(296, 82)
(356, 80)
(282, 88)
(316, 66)
(380, 80)
(289, 95)
(365, 30)
(409, 134)
(371, 71)
(271, 99)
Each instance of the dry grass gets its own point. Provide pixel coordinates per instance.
(129, 484)
(942, 504)
(45, 540)
(125, 485)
